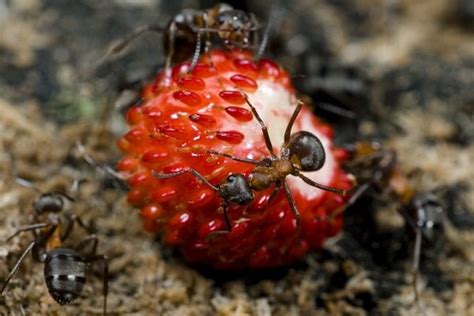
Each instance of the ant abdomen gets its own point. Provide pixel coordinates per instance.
(306, 151)
(65, 274)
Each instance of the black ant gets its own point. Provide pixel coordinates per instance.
(425, 216)
(300, 152)
(376, 167)
(64, 268)
(183, 34)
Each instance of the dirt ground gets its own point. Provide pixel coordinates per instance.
(403, 71)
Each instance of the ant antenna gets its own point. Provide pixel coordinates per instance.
(264, 128)
(324, 187)
(27, 184)
(266, 33)
(340, 111)
(93, 163)
(122, 44)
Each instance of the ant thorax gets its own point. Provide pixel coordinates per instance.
(270, 171)
(55, 240)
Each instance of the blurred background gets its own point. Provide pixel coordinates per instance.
(397, 71)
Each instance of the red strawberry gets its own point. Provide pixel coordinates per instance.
(184, 116)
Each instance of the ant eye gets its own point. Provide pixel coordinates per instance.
(222, 18)
(306, 151)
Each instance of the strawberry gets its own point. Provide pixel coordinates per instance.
(183, 116)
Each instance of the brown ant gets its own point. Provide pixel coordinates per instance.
(64, 268)
(376, 167)
(183, 34)
(300, 152)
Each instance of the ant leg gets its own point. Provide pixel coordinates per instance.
(275, 191)
(292, 203)
(172, 35)
(251, 161)
(105, 276)
(76, 186)
(256, 39)
(354, 197)
(121, 45)
(89, 240)
(118, 179)
(268, 142)
(273, 195)
(39, 254)
(67, 231)
(208, 33)
(64, 195)
(192, 171)
(71, 220)
(266, 35)
(226, 218)
(28, 228)
(291, 122)
(416, 263)
(324, 187)
(228, 224)
(207, 45)
(26, 183)
(17, 266)
(197, 52)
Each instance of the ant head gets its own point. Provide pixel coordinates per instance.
(306, 151)
(236, 190)
(51, 202)
(48, 202)
(235, 26)
(429, 211)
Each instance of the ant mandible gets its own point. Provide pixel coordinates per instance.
(234, 27)
(300, 152)
(64, 268)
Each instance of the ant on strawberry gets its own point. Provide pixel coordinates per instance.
(185, 31)
(64, 268)
(376, 167)
(300, 152)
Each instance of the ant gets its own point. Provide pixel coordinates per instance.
(425, 216)
(300, 152)
(183, 34)
(64, 268)
(377, 167)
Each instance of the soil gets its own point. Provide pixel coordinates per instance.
(396, 71)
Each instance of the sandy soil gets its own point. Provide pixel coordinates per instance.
(403, 68)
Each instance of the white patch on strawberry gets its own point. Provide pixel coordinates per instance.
(275, 105)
